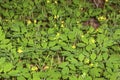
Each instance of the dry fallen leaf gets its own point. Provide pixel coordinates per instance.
(92, 22)
(98, 3)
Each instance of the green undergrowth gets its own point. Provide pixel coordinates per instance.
(45, 40)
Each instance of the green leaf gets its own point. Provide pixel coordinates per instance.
(73, 61)
(99, 57)
(88, 78)
(15, 27)
(117, 31)
(2, 60)
(2, 37)
(20, 78)
(105, 56)
(71, 35)
(99, 79)
(23, 29)
(81, 44)
(89, 47)
(100, 38)
(63, 37)
(55, 48)
(95, 72)
(14, 73)
(108, 43)
(61, 43)
(114, 76)
(52, 43)
(65, 71)
(73, 78)
(85, 40)
(8, 67)
(36, 76)
(30, 42)
(0, 31)
(81, 57)
(93, 56)
(72, 67)
(27, 75)
(54, 75)
(44, 44)
(51, 31)
(63, 64)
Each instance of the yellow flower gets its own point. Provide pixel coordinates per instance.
(29, 22)
(48, 1)
(77, 22)
(62, 22)
(83, 75)
(20, 51)
(92, 40)
(91, 65)
(55, 2)
(58, 34)
(54, 38)
(82, 36)
(81, 9)
(101, 18)
(45, 67)
(62, 25)
(56, 16)
(6, 20)
(106, 0)
(73, 46)
(34, 68)
(35, 21)
(86, 61)
(55, 25)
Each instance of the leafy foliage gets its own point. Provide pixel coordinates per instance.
(46, 40)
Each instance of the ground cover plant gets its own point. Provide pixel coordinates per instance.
(59, 40)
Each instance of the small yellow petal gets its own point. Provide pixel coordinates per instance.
(29, 22)
(106, 0)
(46, 67)
(91, 65)
(78, 22)
(82, 36)
(58, 34)
(101, 18)
(56, 16)
(62, 25)
(92, 40)
(87, 61)
(55, 2)
(62, 22)
(73, 46)
(34, 68)
(35, 21)
(20, 51)
(81, 9)
(48, 1)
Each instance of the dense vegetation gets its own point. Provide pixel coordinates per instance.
(48, 40)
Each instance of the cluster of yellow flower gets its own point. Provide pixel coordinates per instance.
(19, 50)
(48, 1)
(29, 22)
(56, 16)
(34, 68)
(73, 46)
(106, 0)
(102, 18)
(62, 24)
